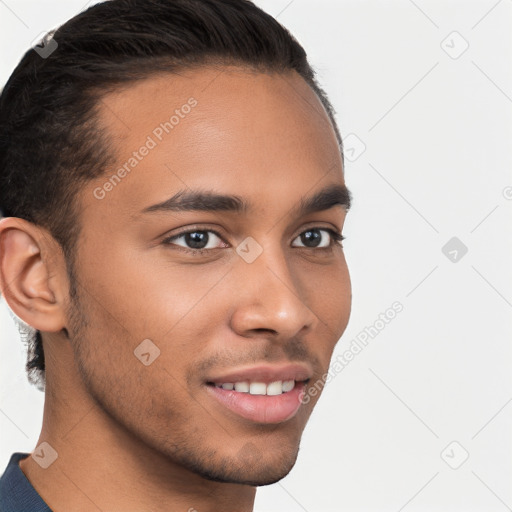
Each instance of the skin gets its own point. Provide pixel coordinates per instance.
(131, 437)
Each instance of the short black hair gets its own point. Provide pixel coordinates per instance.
(50, 143)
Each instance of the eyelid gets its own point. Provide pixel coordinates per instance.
(316, 225)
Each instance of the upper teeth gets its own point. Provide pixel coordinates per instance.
(260, 388)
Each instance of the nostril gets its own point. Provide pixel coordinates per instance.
(265, 330)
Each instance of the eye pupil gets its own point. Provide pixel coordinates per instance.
(311, 238)
(197, 239)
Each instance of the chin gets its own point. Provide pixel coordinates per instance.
(248, 467)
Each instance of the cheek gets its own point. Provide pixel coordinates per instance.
(145, 398)
(135, 314)
(340, 303)
(147, 293)
(329, 291)
(331, 301)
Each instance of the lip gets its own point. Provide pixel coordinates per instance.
(260, 408)
(263, 409)
(264, 373)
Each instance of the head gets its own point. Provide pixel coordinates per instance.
(171, 178)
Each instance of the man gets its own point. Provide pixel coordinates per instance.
(171, 181)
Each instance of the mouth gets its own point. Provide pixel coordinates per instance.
(262, 394)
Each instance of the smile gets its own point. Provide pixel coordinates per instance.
(261, 394)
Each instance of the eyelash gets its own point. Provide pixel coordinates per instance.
(335, 238)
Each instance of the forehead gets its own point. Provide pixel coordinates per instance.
(227, 129)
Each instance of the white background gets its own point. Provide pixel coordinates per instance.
(437, 133)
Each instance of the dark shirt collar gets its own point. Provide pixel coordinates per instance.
(16, 492)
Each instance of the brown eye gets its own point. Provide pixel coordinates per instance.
(322, 238)
(197, 239)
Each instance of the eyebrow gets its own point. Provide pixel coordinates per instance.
(198, 200)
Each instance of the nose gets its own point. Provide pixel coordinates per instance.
(269, 298)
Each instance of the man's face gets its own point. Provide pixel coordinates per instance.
(217, 306)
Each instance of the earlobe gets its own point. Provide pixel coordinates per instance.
(28, 274)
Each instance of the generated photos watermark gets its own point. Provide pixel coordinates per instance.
(357, 345)
(152, 141)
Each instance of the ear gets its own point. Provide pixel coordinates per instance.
(33, 276)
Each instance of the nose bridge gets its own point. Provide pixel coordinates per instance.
(269, 296)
